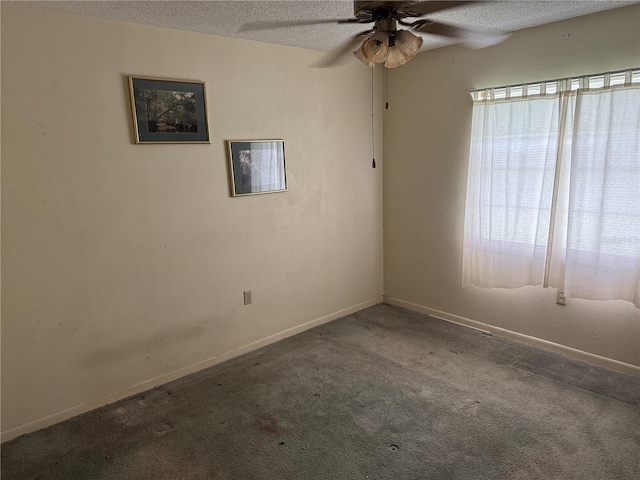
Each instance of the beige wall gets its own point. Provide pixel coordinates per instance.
(427, 132)
(123, 265)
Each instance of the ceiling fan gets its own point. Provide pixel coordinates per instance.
(385, 43)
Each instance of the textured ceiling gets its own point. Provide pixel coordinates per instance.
(226, 17)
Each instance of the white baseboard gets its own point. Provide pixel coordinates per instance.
(520, 337)
(168, 377)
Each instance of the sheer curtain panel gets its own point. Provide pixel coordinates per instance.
(553, 194)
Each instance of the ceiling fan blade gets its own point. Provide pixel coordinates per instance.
(436, 28)
(470, 38)
(333, 58)
(270, 24)
(418, 9)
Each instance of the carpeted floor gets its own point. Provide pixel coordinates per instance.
(382, 394)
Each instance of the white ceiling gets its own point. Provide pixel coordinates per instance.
(226, 17)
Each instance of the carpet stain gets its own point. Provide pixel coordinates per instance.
(119, 416)
(166, 427)
(468, 408)
(268, 424)
(372, 419)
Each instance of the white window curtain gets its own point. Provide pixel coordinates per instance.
(266, 171)
(553, 193)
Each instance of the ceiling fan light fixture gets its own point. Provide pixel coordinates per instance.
(376, 48)
(395, 58)
(359, 54)
(406, 46)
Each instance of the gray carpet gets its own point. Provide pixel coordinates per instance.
(381, 394)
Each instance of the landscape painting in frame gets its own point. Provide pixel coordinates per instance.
(168, 111)
(256, 166)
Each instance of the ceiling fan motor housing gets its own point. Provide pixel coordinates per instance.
(390, 27)
(368, 11)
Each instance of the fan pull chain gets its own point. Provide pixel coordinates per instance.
(373, 142)
(386, 88)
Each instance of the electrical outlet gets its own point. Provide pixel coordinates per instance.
(247, 297)
(561, 300)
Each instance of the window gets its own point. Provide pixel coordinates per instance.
(553, 195)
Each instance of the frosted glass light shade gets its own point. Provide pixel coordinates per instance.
(407, 45)
(376, 47)
(360, 56)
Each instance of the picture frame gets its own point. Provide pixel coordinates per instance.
(256, 167)
(168, 110)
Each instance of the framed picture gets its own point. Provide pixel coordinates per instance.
(256, 166)
(168, 111)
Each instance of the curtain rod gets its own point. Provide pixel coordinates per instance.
(634, 69)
